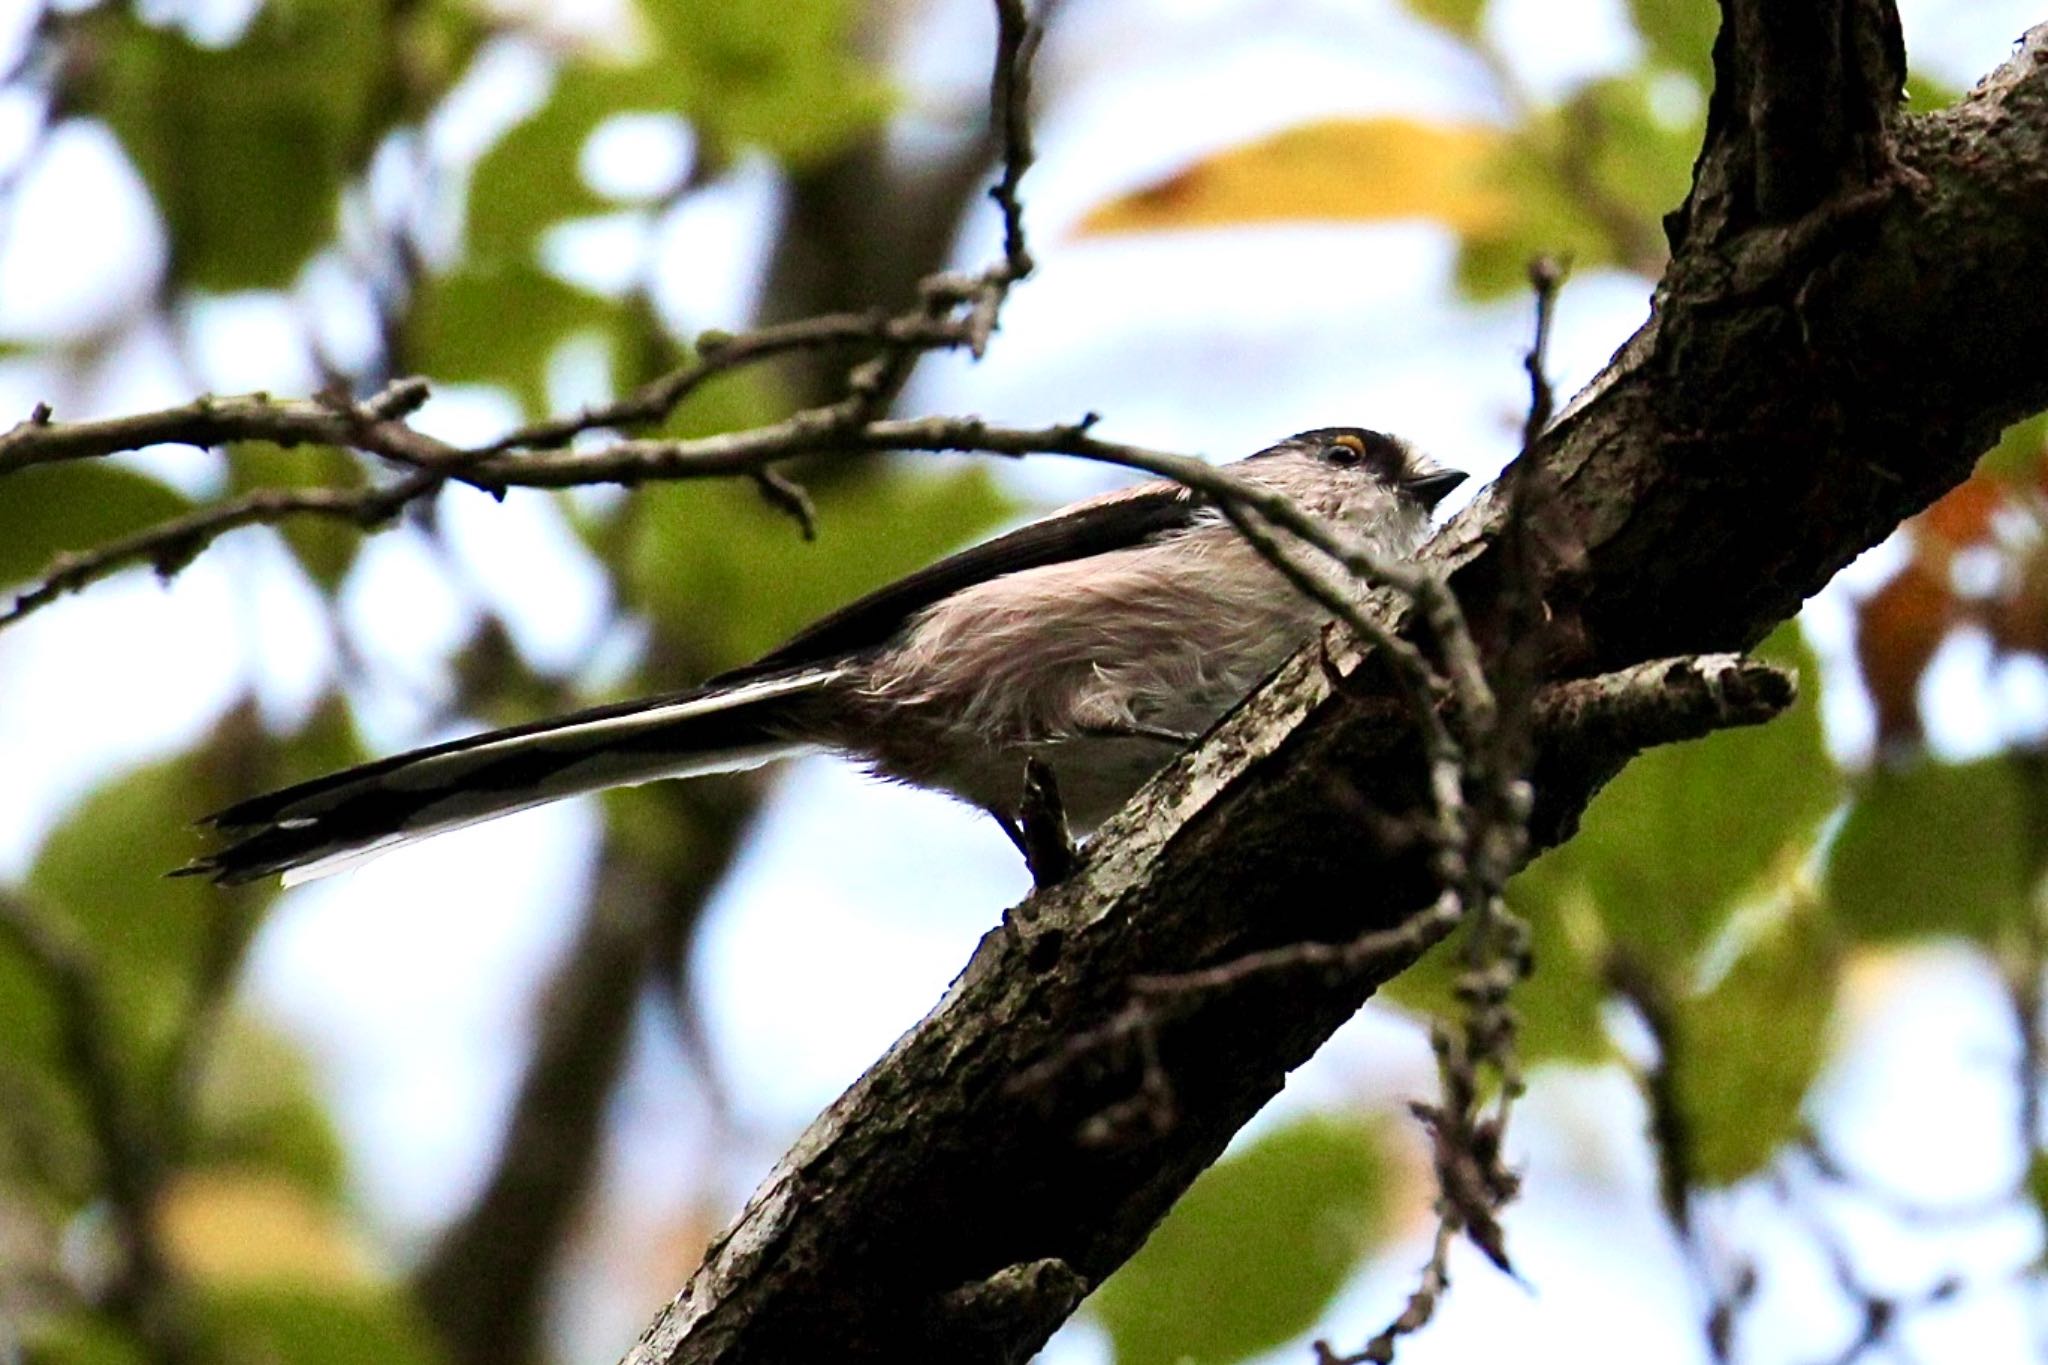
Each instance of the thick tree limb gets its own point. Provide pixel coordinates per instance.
(1815, 371)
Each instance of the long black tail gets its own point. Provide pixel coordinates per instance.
(334, 822)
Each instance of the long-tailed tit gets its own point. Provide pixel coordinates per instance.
(1100, 641)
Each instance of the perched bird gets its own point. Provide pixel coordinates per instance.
(1099, 641)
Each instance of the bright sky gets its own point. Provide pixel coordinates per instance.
(855, 903)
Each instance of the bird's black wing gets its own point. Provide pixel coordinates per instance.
(1113, 521)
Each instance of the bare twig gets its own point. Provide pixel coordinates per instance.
(750, 453)
(720, 353)
(788, 496)
(375, 425)
(172, 545)
(1478, 764)
(951, 311)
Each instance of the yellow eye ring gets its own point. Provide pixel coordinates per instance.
(1344, 450)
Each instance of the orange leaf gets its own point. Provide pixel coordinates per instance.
(1899, 627)
(1963, 516)
(235, 1227)
(1344, 169)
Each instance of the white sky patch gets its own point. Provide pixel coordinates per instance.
(606, 254)
(712, 249)
(21, 113)
(2020, 684)
(125, 672)
(407, 619)
(1955, 699)
(637, 156)
(579, 375)
(521, 556)
(17, 23)
(845, 917)
(288, 654)
(79, 204)
(508, 81)
(1959, 40)
(421, 1037)
(237, 343)
(1556, 46)
(338, 312)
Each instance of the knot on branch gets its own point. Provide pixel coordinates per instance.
(989, 1319)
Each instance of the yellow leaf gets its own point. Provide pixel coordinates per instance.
(1345, 169)
(240, 1228)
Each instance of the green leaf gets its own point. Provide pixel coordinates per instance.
(786, 78)
(2021, 452)
(1588, 183)
(300, 1327)
(1462, 17)
(49, 509)
(499, 325)
(105, 863)
(1747, 1050)
(529, 181)
(1254, 1251)
(2037, 1182)
(717, 567)
(325, 547)
(256, 1110)
(102, 870)
(1680, 34)
(1925, 93)
(1937, 848)
(1666, 849)
(244, 147)
(79, 1338)
(45, 1129)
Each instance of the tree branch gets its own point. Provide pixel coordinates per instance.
(375, 425)
(1801, 388)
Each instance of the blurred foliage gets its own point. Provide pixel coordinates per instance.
(1937, 848)
(128, 1067)
(1743, 1050)
(1674, 861)
(1688, 831)
(457, 329)
(56, 509)
(1253, 1252)
(677, 552)
(1586, 181)
(1361, 169)
(306, 1327)
(1680, 35)
(1461, 17)
(323, 547)
(1589, 182)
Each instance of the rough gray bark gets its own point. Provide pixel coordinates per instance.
(1851, 315)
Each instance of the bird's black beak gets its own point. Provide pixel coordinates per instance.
(1429, 490)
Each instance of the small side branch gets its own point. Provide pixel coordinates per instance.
(376, 424)
(172, 545)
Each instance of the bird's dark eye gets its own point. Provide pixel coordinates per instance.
(1344, 453)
